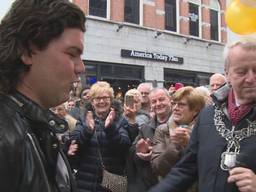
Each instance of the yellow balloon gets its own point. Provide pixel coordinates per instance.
(241, 18)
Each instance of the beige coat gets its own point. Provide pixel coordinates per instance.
(164, 153)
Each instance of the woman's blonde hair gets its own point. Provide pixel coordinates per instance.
(134, 93)
(100, 87)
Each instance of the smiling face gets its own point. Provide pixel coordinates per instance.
(160, 102)
(101, 103)
(241, 73)
(54, 69)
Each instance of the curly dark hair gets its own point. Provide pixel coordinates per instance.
(32, 22)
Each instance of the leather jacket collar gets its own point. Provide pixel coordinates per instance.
(35, 113)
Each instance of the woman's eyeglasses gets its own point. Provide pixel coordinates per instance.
(98, 99)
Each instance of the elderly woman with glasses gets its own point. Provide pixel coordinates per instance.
(100, 138)
(171, 138)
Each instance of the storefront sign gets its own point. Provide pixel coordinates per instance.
(151, 56)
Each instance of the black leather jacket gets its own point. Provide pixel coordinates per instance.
(30, 155)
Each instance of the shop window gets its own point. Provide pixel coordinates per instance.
(170, 15)
(172, 76)
(120, 71)
(90, 73)
(214, 19)
(98, 8)
(121, 77)
(132, 11)
(193, 19)
(115, 71)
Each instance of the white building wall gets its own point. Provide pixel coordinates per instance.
(104, 43)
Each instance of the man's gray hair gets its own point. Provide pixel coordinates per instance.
(245, 42)
(149, 85)
(158, 89)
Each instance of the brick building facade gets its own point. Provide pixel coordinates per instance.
(158, 41)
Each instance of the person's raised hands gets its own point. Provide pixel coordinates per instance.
(110, 118)
(89, 120)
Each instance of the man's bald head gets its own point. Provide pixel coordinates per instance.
(216, 80)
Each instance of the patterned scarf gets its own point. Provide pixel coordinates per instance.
(236, 113)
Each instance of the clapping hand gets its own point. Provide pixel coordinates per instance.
(144, 149)
(73, 147)
(130, 114)
(89, 120)
(110, 118)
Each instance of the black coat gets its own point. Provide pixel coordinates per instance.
(113, 144)
(140, 173)
(203, 156)
(29, 150)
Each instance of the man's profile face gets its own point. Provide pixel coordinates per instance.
(241, 74)
(54, 69)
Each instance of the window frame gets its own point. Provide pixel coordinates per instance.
(140, 15)
(107, 10)
(176, 17)
(215, 7)
(199, 4)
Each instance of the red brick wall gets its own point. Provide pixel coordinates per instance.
(157, 20)
(224, 36)
(160, 18)
(153, 15)
(184, 23)
(205, 20)
(205, 15)
(206, 32)
(149, 16)
(117, 10)
(205, 2)
(83, 4)
(223, 23)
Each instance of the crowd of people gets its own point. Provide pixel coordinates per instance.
(57, 135)
(220, 152)
(142, 137)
